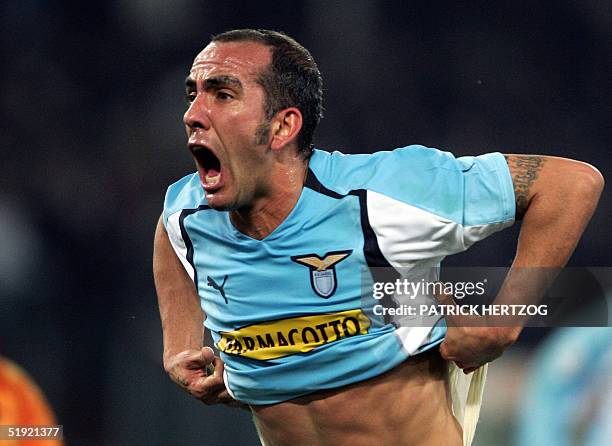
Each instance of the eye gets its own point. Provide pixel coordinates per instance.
(190, 96)
(224, 95)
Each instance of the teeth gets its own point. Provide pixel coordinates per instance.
(212, 180)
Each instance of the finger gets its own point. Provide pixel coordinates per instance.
(213, 379)
(208, 384)
(446, 351)
(208, 354)
(219, 396)
(215, 367)
(218, 367)
(210, 400)
(200, 359)
(206, 388)
(225, 397)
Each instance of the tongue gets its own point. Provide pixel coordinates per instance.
(212, 177)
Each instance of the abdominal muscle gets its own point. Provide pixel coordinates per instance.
(408, 405)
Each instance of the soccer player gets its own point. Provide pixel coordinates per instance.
(267, 243)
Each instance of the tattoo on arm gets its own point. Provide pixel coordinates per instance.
(524, 170)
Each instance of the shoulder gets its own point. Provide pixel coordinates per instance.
(430, 179)
(185, 193)
(387, 172)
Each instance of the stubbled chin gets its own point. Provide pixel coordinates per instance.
(215, 201)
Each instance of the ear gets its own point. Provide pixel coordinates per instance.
(286, 126)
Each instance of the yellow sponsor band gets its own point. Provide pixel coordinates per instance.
(275, 339)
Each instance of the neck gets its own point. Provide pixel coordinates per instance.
(269, 211)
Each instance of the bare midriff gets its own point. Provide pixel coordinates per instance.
(408, 405)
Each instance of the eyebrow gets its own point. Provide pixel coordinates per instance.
(215, 82)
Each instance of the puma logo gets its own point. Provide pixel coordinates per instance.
(218, 287)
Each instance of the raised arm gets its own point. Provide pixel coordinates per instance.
(188, 363)
(555, 198)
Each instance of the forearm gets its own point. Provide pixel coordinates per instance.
(179, 305)
(182, 321)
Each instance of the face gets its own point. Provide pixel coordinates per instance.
(225, 121)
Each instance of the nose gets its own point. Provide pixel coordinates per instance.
(197, 115)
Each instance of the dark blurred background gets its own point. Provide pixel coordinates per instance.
(92, 100)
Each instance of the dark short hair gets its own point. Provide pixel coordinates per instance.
(291, 80)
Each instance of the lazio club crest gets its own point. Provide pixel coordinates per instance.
(323, 270)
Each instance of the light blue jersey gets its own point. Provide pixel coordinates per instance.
(290, 313)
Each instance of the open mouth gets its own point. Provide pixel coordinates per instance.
(209, 166)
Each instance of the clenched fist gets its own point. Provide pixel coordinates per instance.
(200, 373)
(472, 341)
